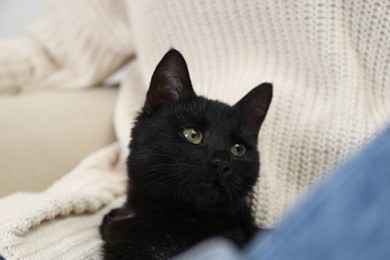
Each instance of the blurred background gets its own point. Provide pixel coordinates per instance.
(43, 136)
(15, 15)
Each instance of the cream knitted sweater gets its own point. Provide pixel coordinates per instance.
(329, 62)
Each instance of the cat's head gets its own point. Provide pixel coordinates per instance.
(191, 151)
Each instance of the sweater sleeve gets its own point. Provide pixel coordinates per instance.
(74, 44)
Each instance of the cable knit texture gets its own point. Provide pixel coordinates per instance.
(328, 61)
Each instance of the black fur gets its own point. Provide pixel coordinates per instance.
(181, 193)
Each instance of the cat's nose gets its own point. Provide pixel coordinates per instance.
(221, 166)
(221, 162)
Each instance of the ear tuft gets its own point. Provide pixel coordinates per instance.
(170, 82)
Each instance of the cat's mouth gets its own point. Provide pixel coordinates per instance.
(210, 187)
(213, 186)
(207, 185)
(214, 194)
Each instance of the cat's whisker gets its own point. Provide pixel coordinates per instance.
(159, 181)
(160, 168)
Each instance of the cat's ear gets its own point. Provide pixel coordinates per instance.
(254, 106)
(170, 82)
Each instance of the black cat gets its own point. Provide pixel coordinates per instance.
(192, 163)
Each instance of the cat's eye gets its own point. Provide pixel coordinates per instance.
(192, 135)
(238, 150)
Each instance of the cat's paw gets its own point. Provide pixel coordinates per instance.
(108, 218)
(111, 215)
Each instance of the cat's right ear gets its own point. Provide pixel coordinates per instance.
(170, 82)
(254, 106)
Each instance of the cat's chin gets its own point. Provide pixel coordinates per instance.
(210, 190)
(208, 185)
(212, 195)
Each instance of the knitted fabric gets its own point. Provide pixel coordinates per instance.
(328, 62)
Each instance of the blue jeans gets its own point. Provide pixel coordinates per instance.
(346, 217)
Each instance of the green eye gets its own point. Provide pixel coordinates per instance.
(192, 135)
(238, 150)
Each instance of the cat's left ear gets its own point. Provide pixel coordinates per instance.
(170, 82)
(254, 105)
